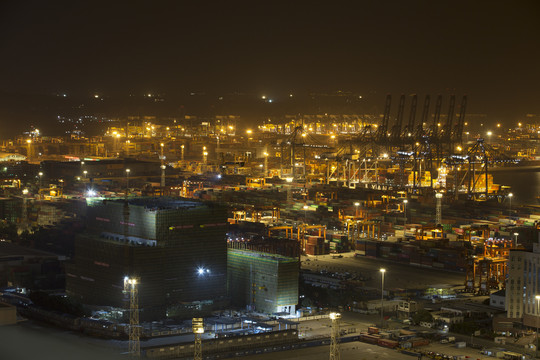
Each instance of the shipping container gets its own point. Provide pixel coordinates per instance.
(392, 344)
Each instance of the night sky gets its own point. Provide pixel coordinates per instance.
(489, 50)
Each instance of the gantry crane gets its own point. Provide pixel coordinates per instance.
(489, 271)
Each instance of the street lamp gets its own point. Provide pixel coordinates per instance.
(182, 147)
(438, 212)
(516, 239)
(405, 209)
(127, 180)
(305, 213)
(537, 316)
(383, 271)
(265, 164)
(40, 179)
(29, 150)
(85, 172)
(356, 205)
(510, 205)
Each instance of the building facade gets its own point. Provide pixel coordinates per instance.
(523, 285)
(176, 248)
(267, 283)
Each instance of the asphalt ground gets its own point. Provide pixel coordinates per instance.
(396, 276)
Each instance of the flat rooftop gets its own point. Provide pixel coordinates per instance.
(269, 256)
(161, 203)
(8, 249)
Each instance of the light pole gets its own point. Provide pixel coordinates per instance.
(182, 155)
(383, 271)
(248, 132)
(537, 316)
(438, 215)
(356, 205)
(29, 150)
(40, 179)
(162, 157)
(127, 180)
(405, 209)
(334, 338)
(305, 213)
(510, 203)
(515, 239)
(265, 164)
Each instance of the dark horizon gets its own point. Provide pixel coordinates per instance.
(486, 51)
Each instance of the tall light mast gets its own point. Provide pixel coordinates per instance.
(334, 340)
(198, 329)
(162, 157)
(131, 288)
(438, 215)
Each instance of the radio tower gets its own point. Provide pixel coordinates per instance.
(198, 330)
(334, 340)
(131, 287)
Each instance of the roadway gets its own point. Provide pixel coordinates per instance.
(397, 275)
(354, 350)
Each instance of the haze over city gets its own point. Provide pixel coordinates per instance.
(486, 50)
(261, 180)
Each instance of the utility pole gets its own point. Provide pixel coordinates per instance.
(334, 340)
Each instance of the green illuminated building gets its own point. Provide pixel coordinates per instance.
(267, 283)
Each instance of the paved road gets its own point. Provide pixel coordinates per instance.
(397, 275)
(34, 342)
(354, 350)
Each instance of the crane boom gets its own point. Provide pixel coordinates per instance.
(436, 117)
(383, 130)
(412, 115)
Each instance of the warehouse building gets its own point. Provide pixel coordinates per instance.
(176, 247)
(266, 283)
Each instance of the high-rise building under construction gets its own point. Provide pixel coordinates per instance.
(265, 282)
(176, 247)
